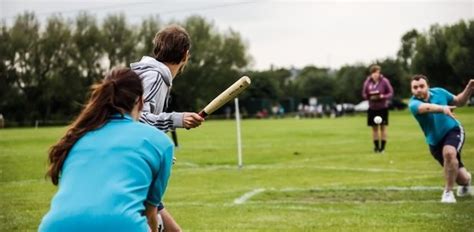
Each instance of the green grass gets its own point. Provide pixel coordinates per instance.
(314, 175)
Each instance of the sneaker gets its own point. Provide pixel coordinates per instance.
(448, 197)
(465, 190)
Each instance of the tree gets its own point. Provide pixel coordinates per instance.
(54, 62)
(430, 58)
(120, 40)
(24, 41)
(349, 81)
(313, 81)
(394, 70)
(217, 60)
(9, 89)
(407, 51)
(89, 56)
(47, 73)
(460, 52)
(264, 86)
(445, 54)
(148, 30)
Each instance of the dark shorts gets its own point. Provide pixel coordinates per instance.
(454, 137)
(371, 114)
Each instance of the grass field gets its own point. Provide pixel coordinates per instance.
(298, 175)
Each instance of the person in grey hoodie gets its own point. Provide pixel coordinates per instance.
(170, 55)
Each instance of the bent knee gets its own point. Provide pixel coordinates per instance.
(449, 153)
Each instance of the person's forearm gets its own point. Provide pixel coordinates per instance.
(168, 221)
(151, 213)
(163, 121)
(430, 108)
(463, 97)
(389, 95)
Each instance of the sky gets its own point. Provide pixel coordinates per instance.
(283, 33)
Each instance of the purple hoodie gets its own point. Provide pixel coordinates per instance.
(382, 87)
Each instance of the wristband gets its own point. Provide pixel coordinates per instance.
(444, 109)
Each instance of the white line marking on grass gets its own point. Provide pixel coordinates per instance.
(23, 182)
(242, 199)
(282, 204)
(413, 188)
(193, 167)
(188, 164)
(368, 188)
(246, 196)
(371, 169)
(369, 182)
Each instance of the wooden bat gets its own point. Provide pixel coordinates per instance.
(228, 94)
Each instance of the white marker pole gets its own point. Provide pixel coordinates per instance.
(239, 141)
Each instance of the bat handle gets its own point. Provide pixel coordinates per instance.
(203, 114)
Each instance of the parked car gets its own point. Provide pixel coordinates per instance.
(362, 106)
(348, 108)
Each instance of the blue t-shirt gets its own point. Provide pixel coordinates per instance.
(108, 176)
(434, 125)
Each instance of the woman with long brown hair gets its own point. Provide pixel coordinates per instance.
(111, 170)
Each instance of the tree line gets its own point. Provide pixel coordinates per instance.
(46, 70)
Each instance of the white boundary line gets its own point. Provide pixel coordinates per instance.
(369, 188)
(188, 164)
(246, 196)
(242, 199)
(24, 182)
(310, 204)
(192, 167)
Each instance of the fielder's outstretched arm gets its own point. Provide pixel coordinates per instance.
(462, 98)
(425, 108)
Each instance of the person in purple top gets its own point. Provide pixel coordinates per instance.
(378, 91)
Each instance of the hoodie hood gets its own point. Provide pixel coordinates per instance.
(147, 64)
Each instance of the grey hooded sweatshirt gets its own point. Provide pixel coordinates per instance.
(157, 81)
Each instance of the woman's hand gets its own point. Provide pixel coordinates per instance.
(151, 213)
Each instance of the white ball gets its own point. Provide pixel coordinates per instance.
(377, 119)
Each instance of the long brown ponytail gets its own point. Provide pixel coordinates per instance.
(117, 93)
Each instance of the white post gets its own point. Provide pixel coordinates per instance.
(239, 141)
(36, 124)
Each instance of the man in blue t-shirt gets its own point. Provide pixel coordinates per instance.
(432, 108)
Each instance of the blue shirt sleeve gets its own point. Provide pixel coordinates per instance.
(414, 105)
(449, 96)
(160, 181)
